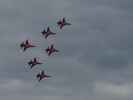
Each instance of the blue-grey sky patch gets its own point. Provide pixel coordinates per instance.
(95, 58)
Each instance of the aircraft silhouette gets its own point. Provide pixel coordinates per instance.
(62, 23)
(51, 50)
(47, 33)
(32, 63)
(26, 44)
(42, 75)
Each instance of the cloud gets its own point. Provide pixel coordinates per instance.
(95, 58)
(113, 90)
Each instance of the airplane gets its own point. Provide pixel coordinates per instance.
(62, 23)
(32, 63)
(25, 45)
(42, 75)
(47, 33)
(51, 50)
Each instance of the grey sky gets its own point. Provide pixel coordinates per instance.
(95, 58)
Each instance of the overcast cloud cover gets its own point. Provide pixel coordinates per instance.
(95, 59)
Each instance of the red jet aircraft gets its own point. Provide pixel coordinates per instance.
(42, 75)
(25, 45)
(32, 63)
(51, 50)
(47, 33)
(62, 23)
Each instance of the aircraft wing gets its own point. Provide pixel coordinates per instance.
(24, 49)
(52, 46)
(64, 20)
(32, 66)
(35, 60)
(30, 62)
(59, 22)
(22, 45)
(48, 29)
(46, 36)
(42, 72)
(61, 26)
(43, 32)
(38, 75)
(49, 53)
(27, 42)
